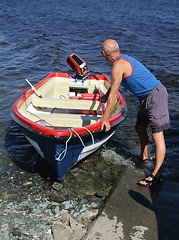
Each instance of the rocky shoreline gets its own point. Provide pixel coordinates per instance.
(32, 208)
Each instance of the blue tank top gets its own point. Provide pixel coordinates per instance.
(141, 81)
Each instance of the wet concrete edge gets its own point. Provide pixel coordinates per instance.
(128, 213)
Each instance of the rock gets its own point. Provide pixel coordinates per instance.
(4, 230)
(32, 208)
(61, 232)
(79, 234)
(86, 216)
(78, 229)
(57, 186)
(65, 217)
(68, 204)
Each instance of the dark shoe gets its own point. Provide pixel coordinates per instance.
(140, 162)
(149, 183)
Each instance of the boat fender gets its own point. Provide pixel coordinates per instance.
(90, 96)
(75, 97)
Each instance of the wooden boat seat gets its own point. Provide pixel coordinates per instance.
(66, 103)
(61, 119)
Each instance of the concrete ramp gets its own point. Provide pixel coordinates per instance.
(128, 214)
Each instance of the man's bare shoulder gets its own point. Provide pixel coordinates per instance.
(122, 65)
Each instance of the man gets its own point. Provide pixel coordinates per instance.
(153, 98)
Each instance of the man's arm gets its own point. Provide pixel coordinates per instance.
(117, 73)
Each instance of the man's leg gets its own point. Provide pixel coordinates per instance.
(144, 139)
(160, 151)
(158, 115)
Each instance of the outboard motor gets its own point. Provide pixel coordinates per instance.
(78, 65)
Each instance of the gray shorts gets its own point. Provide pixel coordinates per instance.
(154, 110)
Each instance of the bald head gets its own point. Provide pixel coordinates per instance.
(110, 46)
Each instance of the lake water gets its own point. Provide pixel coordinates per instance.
(37, 36)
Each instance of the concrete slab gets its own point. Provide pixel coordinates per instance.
(128, 214)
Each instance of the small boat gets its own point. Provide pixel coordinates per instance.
(59, 115)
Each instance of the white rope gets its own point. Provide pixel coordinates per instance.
(61, 156)
(90, 134)
(78, 137)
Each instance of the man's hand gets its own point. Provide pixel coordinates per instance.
(105, 124)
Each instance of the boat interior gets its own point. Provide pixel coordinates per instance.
(63, 103)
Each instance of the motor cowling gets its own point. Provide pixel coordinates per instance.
(77, 64)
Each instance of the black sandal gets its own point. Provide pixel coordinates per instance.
(149, 183)
(140, 162)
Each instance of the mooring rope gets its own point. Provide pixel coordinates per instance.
(89, 133)
(61, 156)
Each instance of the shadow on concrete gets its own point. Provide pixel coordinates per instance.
(141, 199)
(167, 224)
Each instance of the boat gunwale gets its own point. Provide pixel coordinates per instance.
(30, 125)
